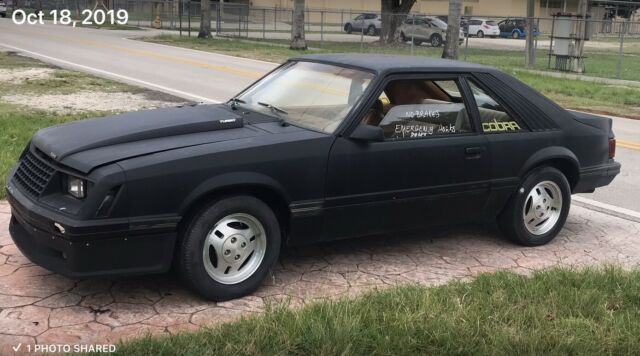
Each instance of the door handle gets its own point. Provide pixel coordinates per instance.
(473, 152)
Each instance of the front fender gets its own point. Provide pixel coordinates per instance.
(230, 181)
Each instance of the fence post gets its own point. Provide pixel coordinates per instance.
(180, 16)
(264, 23)
(621, 52)
(321, 28)
(189, 17)
(362, 35)
(553, 25)
(413, 28)
(466, 44)
(275, 18)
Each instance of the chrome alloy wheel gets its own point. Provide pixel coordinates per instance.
(542, 208)
(234, 248)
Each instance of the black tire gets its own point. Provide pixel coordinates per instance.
(435, 40)
(480, 34)
(515, 35)
(371, 31)
(191, 260)
(511, 221)
(403, 38)
(348, 28)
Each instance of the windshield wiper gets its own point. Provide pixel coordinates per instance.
(276, 110)
(235, 101)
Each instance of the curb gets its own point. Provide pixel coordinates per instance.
(605, 208)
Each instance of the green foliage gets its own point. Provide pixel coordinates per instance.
(560, 311)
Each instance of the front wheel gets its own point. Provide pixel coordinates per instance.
(480, 34)
(229, 247)
(436, 40)
(538, 210)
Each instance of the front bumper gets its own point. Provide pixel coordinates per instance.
(88, 248)
(594, 177)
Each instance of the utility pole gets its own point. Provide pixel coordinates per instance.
(531, 51)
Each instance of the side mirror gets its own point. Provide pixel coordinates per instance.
(367, 133)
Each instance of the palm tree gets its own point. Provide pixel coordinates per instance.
(297, 23)
(205, 19)
(453, 30)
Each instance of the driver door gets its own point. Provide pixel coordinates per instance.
(432, 168)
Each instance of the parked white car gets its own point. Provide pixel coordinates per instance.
(483, 27)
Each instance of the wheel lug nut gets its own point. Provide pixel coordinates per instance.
(237, 257)
(227, 252)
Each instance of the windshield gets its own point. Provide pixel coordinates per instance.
(312, 95)
(439, 23)
(492, 23)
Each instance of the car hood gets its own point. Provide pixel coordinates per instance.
(87, 144)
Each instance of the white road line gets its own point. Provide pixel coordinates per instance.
(606, 208)
(119, 76)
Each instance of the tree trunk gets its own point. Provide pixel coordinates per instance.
(297, 30)
(205, 19)
(453, 30)
(393, 13)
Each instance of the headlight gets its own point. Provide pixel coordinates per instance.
(76, 187)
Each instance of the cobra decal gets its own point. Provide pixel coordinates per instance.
(496, 126)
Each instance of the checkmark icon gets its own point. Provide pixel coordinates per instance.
(17, 348)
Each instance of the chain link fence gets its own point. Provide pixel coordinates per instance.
(612, 49)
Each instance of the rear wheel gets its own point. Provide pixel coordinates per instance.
(537, 212)
(436, 40)
(515, 35)
(371, 31)
(348, 28)
(480, 34)
(229, 247)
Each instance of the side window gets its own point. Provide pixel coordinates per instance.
(493, 117)
(360, 17)
(417, 108)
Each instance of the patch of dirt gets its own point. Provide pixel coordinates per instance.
(88, 101)
(20, 75)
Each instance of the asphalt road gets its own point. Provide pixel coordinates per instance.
(210, 77)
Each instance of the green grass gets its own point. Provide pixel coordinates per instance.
(574, 94)
(19, 123)
(557, 312)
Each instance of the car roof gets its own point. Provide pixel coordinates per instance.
(386, 64)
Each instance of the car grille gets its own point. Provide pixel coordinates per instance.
(34, 172)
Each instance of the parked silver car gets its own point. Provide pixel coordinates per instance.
(369, 23)
(425, 29)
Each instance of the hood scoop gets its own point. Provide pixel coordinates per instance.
(61, 141)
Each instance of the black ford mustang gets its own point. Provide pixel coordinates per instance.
(323, 147)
